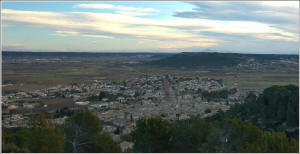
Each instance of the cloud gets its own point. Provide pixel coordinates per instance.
(272, 37)
(114, 7)
(243, 11)
(68, 33)
(135, 13)
(77, 23)
(187, 29)
(13, 46)
(141, 42)
(281, 4)
(178, 45)
(278, 14)
(138, 27)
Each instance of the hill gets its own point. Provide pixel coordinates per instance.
(277, 108)
(208, 59)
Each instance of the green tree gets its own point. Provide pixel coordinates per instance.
(126, 137)
(105, 143)
(276, 108)
(84, 134)
(207, 111)
(278, 142)
(81, 131)
(188, 136)
(43, 136)
(151, 135)
(9, 139)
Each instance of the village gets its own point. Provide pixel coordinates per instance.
(119, 104)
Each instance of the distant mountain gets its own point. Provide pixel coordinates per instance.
(232, 51)
(214, 59)
(214, 50)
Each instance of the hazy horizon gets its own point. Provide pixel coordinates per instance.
(150, 52)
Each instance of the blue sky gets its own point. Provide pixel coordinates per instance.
(246, 27)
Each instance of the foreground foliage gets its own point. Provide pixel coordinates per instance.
(277, 108)
(40, 136)
(199, 135)
(82, 132)
(267, 123)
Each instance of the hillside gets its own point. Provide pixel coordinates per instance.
(215, 59)
(277, 108)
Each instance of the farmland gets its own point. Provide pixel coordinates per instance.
(30, 73)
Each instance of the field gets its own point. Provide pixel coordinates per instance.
(27, 74)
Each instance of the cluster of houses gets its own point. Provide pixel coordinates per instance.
(254, 64)
(120, 104)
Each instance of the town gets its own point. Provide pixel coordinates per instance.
(119, 105)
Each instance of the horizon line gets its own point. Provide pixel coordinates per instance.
(158, 52)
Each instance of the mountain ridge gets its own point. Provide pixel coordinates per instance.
(215, 59)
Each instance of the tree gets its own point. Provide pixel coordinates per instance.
(40, 136)
(278, 142)
(189, 135)
(207, 111)
(151, 135)
(9, 138)
(198, 135)
(43, 136)
(81, 131)
(84, 134)
(276, 108)
(126, 137)
(105, 143)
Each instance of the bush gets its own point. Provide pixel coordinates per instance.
(207, 111)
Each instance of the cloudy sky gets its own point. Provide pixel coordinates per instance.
(246, 27)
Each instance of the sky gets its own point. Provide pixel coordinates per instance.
(145, 26)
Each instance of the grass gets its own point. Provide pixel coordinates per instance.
(26, 77)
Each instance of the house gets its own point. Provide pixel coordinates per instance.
(116, 138)
(82, 103)
(59, 121)
(110, 129)
(104, 99)
(121, 99)
(126, 145)
(127, 130)
(5, 111)
(12, 107)
(28, 106)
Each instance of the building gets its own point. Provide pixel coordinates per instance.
(126, 145)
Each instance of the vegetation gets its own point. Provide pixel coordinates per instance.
(217, 94)
(199, 135)
(267, 123)
(63, 112)
(276, 108)
(40, 136)
(126, 137)
(21, 70)
(82, 132)
(151, 135)
(214, 59)
(197, 59)
(207, 111)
